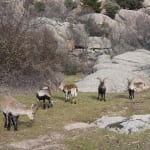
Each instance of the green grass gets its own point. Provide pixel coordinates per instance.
(87, 109)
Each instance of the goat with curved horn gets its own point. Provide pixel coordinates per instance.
(101, 89)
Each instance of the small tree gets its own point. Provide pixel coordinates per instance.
(70, 4)
(39, 6)
(94, 4)
(111, 9)
(97, 29)
(130, 4)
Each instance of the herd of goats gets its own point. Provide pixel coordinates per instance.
(12, 109)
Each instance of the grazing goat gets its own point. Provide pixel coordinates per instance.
(69, 89)
(131, 89)
(12, 109)
(44, 94)
(101, 89)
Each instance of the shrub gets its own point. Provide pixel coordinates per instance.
(70, 69)
(94, 4)
(130, 4)
(70, 4)
(111, 9)
(97, 29)
(39, 6)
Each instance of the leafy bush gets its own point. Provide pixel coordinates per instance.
(111, 9)
(39, 6)
(130, 4)
(70, 69)
(97, 29)
(94, 4)
(70, 4)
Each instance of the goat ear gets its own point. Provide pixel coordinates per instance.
(105, 78)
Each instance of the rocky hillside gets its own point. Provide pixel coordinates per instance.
(130, 65)
(70, 29)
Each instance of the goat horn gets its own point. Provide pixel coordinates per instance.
(105, 79)
(49, 82)
(98, 78)
(128, 79)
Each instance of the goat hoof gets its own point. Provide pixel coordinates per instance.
(8, 129)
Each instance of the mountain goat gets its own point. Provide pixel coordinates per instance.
(131, 88)
(101, 89)
(69, 89)
(134, 85)
(12, 109)
(44, 94)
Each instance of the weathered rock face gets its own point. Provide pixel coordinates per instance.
(63, 32)
(135, 123)
(99, 43)
(146, 3)
(128, 32)
(128, 65)
(97, 18)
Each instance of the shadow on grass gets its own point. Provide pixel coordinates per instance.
(94, 97)
(121, 96)
(60, 98)
(25, 123)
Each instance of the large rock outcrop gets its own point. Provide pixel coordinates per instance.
(129, 31)
(63, 32)
(133, 124)
(128, 65)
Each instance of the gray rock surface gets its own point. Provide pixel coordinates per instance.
(146, 3)
(135, 123)
(62, 31)
(128, 65)
(99, 43)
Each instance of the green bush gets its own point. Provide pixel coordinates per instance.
(97, 29)
(130, 4)
(111, 9)
(39, 6)
(70, 4)
(94, 4)
(70, 69)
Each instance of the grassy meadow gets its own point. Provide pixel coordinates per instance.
(87, 110)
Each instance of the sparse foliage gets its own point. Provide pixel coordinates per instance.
(39, 6)
(97, 29)
(130, 4)
(111, 9)
(27, 53)
(94, 4)
(70, 4)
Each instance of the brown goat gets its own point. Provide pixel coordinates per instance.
(69, 89)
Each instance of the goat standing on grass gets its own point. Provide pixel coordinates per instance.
(44, 94)
(131, 89)
(12, 109)
(69, 90)
(101, 89)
